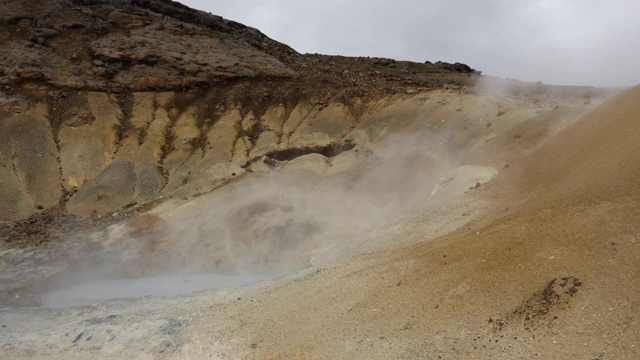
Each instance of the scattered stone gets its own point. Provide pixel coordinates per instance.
(75, 26)
(600, 356)
(383, 61)
(78, 337)
(81, 119)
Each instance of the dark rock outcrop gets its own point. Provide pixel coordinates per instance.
(128, 45)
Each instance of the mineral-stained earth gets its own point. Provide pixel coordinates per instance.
(178, 185)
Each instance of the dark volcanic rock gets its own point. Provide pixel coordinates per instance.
(139, 45)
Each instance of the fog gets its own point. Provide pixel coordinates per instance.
(564, 42)
(284, 216)
(91, 291)
(263, 226)
(279, 222)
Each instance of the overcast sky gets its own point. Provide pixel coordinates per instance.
(576, 42)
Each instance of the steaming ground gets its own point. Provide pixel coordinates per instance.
(280, 221)
(427, 239)
(94, 290)
(307, 212)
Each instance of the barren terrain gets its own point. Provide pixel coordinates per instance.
(162, 198)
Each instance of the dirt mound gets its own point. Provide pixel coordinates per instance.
(546, 274)
(596, 159)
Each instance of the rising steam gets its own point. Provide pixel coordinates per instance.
(273, 223)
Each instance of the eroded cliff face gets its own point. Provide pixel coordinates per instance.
(210, 181)
(114, 107)
(97, 153)
(107, 105)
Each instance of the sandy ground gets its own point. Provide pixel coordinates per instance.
(538, 263)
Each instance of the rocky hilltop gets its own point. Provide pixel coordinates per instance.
(124, 46)
(129, 45)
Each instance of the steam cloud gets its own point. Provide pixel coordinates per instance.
(266, 224)
(278, 222)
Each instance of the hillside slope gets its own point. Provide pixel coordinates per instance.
(598, 160)
(547, 273)
(401, 210)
